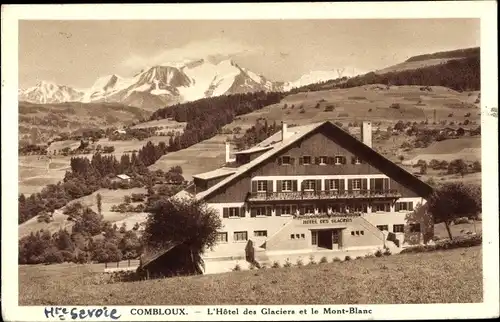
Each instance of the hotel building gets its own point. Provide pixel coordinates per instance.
(312, 187)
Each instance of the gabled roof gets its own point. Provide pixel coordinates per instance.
(215, 173)
(123, 176)
(254, 149)
(299, 132)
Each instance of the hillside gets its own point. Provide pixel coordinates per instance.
(38, 123)
(385, 280)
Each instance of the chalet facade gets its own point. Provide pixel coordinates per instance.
(312, 187)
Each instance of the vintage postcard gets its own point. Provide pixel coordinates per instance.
(279, 161)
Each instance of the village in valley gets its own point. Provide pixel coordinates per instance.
(130, 190)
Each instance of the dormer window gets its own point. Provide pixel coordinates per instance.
(323, 160)
(356, 160)
(339, 160)
(285, 160)
(306, 160)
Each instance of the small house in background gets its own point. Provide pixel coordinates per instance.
(120, 131)
(123, 177)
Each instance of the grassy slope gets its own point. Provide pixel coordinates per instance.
(453, 276)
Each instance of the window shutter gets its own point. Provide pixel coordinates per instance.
(318, 185)
(349, 184)
(242, 212)
(294, 185)
(269, 187)
(302, 210)
(280, 161)
(279, 185)
(292, 161)
(294, 210)
(410, 206)
(316, 160)
(225, 212)
(327, 184)
(301, 161)
(364, 184)
(327, 160)
(268, 211)
(278, 211)
(344, 160)
(353, 159)
(254, 186)
(372, 184)
(253, 212)
(386, 183)
(341, 184)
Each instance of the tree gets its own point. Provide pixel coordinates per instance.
(454, 200)
(89, 222)
(476, 166)
(458, 166)
(98, 198)
(423, 168)
(188, 222)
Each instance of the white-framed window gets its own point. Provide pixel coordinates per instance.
(356, 184)
(222, 237)
(286, 210)
(261, 211)
(286, 185)
(233, 212)
(306, 159)
(240, 236)
(314, 237)
(323, 160)
(286, 160)
(339, 159)
(260, 233)
(358, 208)
(333, 184)
(398, 228)
(309, 210)
(261, 186)
(404, 206)
(337, 208)
(309, 185)
(381, 207)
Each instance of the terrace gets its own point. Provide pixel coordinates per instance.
(323, 195)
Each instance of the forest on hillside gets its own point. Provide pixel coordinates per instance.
(206, 117)
(459, 53)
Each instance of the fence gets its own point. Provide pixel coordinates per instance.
(122, 265)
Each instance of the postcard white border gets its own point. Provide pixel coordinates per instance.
(485, 10)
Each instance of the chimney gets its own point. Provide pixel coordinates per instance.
(284, 131)
(228, 156)
(366, 133)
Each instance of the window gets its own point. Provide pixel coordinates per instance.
(356, 184)
(414, 228)
(261, 186)
(260, 233)
(286, 210)
(292, 236)
(337, 208)
(306, 160)
(314, 237)
(352, 233)
(383, 207)
(302, 235)
(404, 206)
(233, 212)
(356, 160)
(398, 228)
(339, 160)
(358, 208)
(362, 232)
(240, 236)
(262, 211)
(333, 184)
(297, 236)
(323, 160)
(309, 185)
(286, 185)
(286, 160)
(222, 237)
(309, 210)
(383, 227)
(357, 232)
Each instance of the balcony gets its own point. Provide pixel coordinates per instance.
(323, 195)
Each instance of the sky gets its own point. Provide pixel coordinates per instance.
(76, 53)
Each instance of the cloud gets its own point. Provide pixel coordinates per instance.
(209, 49)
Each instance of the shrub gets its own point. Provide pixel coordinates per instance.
(347, 258)
(396, 106)
(378, 253)
(287, 263)
(302, 111)
(323, 260)
(136, 197)
(299, 262)
(457, 242)
(369, 110)
(461, 220)
(236, 268)
(450, 115)
(369, 255)
(263, 266)
(311, 260)
(276, 264)
(387, 252)
(336, 259)
(329, 108)
(359, 257)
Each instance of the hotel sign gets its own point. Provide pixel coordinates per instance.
(326, 221)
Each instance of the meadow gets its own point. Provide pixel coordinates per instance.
(453, 276)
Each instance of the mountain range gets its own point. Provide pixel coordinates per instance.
(168, 84)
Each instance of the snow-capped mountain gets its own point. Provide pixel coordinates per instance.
(47, 92)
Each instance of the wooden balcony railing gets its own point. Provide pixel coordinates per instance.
(323, 195)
